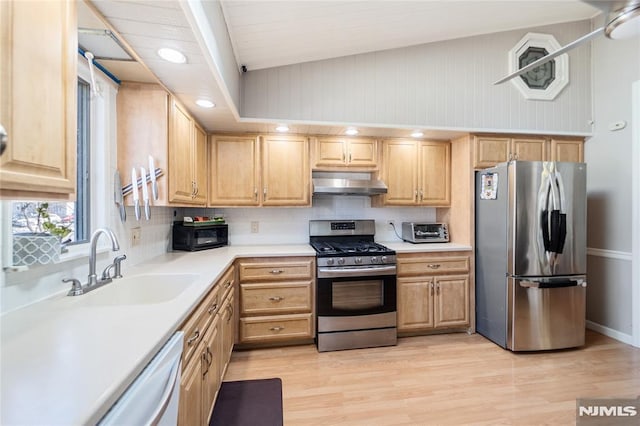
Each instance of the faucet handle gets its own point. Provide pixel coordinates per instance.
(117, 273)
(76, 286)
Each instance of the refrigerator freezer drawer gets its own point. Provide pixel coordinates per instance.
(542, 316)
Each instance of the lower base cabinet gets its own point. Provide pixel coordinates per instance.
(209, 337)
(433, 291)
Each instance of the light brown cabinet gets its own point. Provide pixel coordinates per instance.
(187, 149)
(571, 150)
(208, 342)
(259, 171)
(334, 153)
(490, 150)
(276, 299)
(417, 173)
(152, 122)
(433, 291)
(38, 107)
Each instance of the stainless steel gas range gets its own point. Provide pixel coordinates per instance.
(356, 286)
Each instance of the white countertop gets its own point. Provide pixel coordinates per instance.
(65, 363)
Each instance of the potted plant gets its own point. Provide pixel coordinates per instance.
(43, 242)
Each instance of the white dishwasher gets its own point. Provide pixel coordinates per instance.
(152, 399)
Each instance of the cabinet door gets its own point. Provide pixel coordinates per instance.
(567, 150)
(362, 153)
(234, 175)
(415, 303)
(228, 333)
(200, 163)
(490, 151)
(330, 152)
(434, 186)
(38, 87)
(451, 301)
(181, 184)
(285, 171)
(211, 368)
(400, 172)
(190, 405)
(529, 149)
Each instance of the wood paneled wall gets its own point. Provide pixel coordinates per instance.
(445, 84)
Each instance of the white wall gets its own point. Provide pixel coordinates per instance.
(446, 85)
(616, 65)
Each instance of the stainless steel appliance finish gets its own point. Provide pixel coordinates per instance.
(356, 286)
(335, 186)
(531, 254)
(414, 232)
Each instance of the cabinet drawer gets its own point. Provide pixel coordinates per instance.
(226, 283)
(195, 327)
(275, 328)
(276, 271)
(432, 265)
(275, 298)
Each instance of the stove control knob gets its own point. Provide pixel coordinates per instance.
(358, 260)
(341, 261)
(330, 261)
(374, 259)
(383, 259)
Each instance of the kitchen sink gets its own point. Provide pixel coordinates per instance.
(142, 289)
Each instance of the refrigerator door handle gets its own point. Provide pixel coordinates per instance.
(580, 282)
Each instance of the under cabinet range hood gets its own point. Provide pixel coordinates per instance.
(339, 186)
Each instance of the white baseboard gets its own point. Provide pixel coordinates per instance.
(610, 332)
(611, 254)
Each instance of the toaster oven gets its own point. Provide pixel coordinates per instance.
(416, 232)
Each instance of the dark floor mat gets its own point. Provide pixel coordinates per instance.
(249, 403)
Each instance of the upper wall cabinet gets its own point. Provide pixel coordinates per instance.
(38, 85)
(259, 171)
(490, 150)
(417, 173)
(353, 154)
(151, 122)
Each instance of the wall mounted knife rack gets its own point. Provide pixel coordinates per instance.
(127, 189)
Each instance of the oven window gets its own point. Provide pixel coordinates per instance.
(357, 295)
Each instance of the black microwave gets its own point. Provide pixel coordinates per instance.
(194, 237)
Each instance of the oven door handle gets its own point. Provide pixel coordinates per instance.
(356, 272)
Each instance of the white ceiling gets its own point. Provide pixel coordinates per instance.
(269, 33)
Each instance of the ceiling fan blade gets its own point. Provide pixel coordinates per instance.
(552, 55)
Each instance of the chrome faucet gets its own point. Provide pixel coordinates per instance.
(92, 280)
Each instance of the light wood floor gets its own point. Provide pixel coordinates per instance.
(442, 379)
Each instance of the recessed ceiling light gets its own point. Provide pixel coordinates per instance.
(417, 134)
(172, 55)
(351, 131)
(205, 103)
(282, 128)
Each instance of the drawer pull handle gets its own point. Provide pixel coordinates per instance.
(212, 308)
(276, 298)
(276, 271)
(277, 328)
(433, 266)
(227, 284)
(193, 338)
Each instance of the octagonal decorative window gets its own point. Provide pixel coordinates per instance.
(546, 81)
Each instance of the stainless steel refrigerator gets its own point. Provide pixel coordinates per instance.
(531, 262)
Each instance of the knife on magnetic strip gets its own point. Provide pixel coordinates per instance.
(118, 197)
